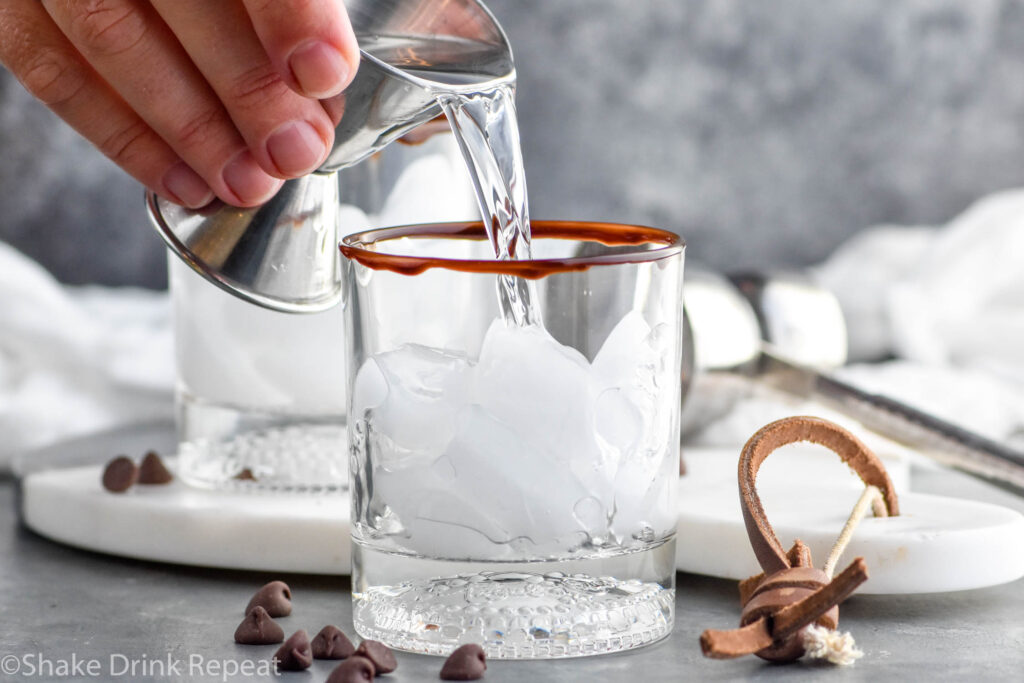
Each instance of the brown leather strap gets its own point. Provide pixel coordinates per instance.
(774, 634)
(794, 617)
(799, 556)
(770, 553)
(738, 641)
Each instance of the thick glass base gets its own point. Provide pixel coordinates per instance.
(520, 610)
(230, 447)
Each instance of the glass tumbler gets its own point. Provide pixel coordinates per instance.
(513, 484)
(261, 394)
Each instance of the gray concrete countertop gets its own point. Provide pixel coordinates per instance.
(63, 607)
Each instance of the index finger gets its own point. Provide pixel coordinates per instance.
(309, 41)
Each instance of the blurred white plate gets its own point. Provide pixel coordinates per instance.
(936, 544)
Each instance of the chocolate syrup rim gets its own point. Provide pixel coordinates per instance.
(353, 247)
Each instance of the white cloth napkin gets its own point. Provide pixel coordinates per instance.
(939, 312)
(943, 296)
(75, 360)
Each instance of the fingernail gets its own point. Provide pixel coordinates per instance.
(319, 69)
(296, 148)
(186, 186)
(249, 183)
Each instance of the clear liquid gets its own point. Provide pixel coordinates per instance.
(484, 122)
(445, 61)
(487, 131)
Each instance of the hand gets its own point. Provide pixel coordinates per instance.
(194, 98)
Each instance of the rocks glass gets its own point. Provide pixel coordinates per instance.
(513, 484)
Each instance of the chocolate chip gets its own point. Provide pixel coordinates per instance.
(467, 663)
(295, 654)
(245, 475)
(275, 597)
(258, 629)
(353, 670)
(153, 471)
(380, 654)
(331, 643)
(120, 474)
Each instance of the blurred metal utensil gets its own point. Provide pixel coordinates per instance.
(728, 321)
(721, 346)
(787, 333)
(940, 440)
(801, 325)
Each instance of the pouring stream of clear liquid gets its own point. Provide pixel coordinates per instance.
(485, 126)
(484, 123)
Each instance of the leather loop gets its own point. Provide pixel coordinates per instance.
(770, 553)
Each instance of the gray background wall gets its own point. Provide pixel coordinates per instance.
(766, 132)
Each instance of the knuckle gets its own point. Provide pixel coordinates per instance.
(255, 88)
(108, 27)
(48, 72)
(199, 130)
(129, 145)
(52, 78)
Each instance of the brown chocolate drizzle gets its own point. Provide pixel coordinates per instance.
(360, 248)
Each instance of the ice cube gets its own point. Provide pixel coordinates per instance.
(638, 361)
(491, 496)
(623, 352)
(634, 365)
(436, 517)
(618, 422)
(644, 497)
(531, 451)
(540, 388)
(416, 417)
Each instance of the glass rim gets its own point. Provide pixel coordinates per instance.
(354, 247)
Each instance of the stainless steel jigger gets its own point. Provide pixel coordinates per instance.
(283, 255)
